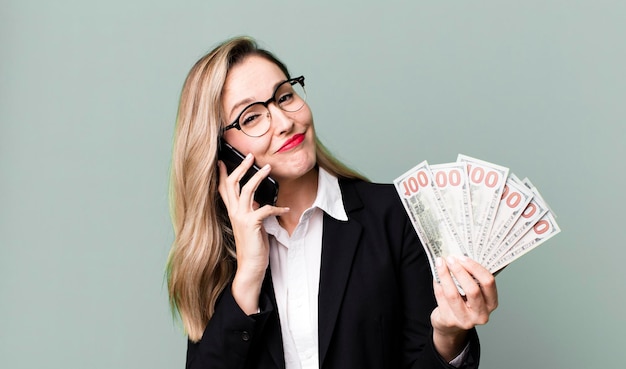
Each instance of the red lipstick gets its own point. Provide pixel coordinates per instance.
(292, 142)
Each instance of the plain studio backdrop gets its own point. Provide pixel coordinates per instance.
(89, 93)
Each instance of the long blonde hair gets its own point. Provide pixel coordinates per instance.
(202, 258)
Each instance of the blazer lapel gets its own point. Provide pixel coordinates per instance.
(340, 241)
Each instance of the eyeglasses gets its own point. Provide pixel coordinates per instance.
(255, 119)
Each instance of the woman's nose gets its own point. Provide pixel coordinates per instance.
(281, 121)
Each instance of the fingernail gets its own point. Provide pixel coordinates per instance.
(249, 156)
(266, 167)
(438, 261)
(451, 259)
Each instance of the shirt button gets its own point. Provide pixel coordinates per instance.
(245, 336)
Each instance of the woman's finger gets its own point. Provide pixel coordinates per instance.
(485, 280)
(221, 185)
(451, 296)
(229, 186)
(248, 190)
(473, 294)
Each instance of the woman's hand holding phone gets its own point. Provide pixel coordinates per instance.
(246, 217)
(266, 191)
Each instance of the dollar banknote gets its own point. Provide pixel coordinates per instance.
(515, 198)
(475, 208)
(533, 212)
(431, 219)
(451, 180)
(486, 185)
(542, 231)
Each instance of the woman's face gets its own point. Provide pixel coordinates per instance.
(289, 145)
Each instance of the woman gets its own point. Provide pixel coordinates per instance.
(333, 275)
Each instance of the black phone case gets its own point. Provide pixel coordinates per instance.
(267, 192)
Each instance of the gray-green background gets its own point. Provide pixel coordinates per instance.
(88, 100)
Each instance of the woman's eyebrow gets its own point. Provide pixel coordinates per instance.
(240, 104)
(249, 100)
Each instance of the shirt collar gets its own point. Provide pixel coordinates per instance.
(328, 199)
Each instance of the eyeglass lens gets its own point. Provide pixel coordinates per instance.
(255, 120)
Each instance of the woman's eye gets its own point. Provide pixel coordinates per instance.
(250, 119)
(285, 98)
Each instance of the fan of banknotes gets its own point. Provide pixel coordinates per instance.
(475, 208)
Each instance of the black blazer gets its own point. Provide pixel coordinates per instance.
(375, 298)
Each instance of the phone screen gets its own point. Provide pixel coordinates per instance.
(267, 192)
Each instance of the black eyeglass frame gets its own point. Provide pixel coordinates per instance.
(235, 123)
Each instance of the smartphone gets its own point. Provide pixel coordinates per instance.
(267, 192)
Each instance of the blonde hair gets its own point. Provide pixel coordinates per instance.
(202, 259)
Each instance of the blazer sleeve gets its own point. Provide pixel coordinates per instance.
(419, 301)
(231, 337)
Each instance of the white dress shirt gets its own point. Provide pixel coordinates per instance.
(295, 265)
